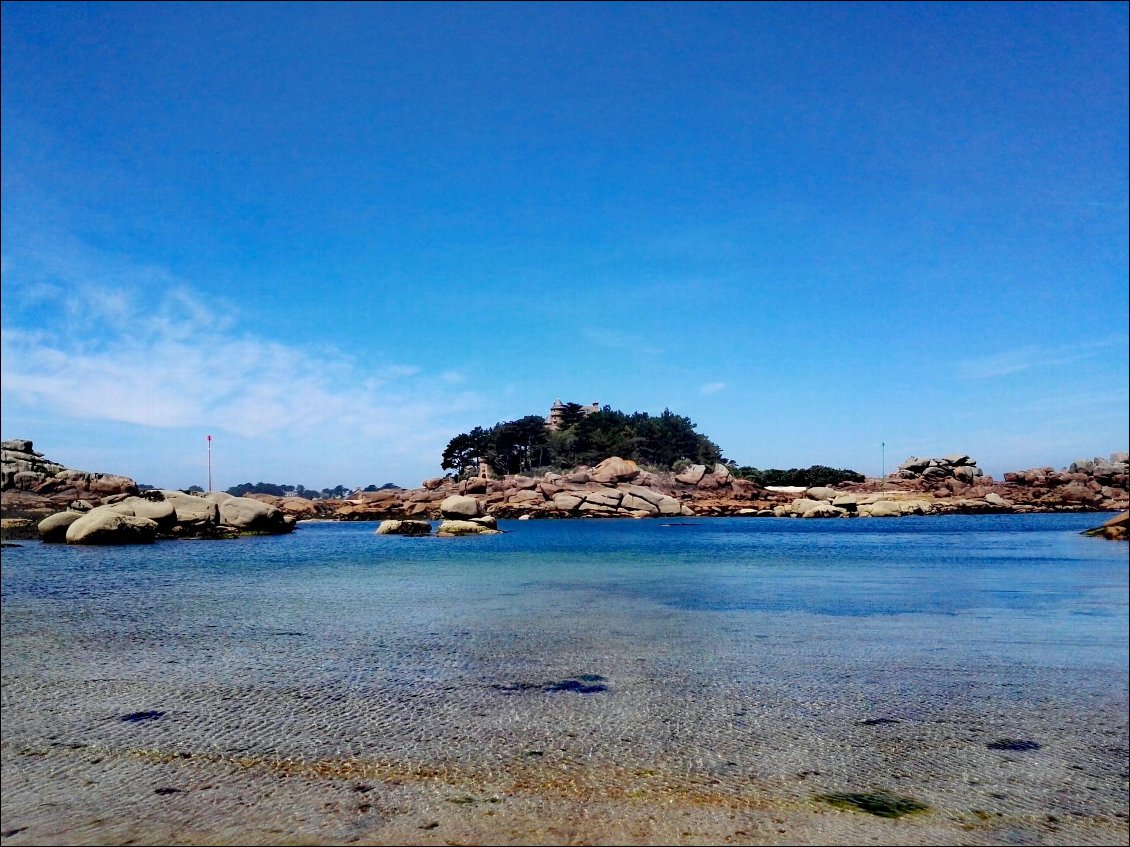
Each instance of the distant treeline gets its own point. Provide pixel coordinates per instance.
(583, 438)
(337, 492)
(808, 477)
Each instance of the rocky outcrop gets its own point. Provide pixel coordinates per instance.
(613, 488)
(954, 466)
(248, 515)
(1086, 483)
(21, 466)
(31, 484)
(128, 519)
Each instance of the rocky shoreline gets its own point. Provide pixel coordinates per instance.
(42, 499)
(35, 488)
(619, 488)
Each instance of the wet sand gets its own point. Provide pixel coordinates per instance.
(651, 754)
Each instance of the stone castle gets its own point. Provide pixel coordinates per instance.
(557, 413)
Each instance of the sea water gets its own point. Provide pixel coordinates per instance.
(593, 681)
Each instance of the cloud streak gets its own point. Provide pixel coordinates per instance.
(1033, 357)
(169, 360)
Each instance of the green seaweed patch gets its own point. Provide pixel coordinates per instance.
(877, 803)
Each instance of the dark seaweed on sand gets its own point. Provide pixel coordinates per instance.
(874, 803)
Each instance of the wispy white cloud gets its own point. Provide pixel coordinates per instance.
(159, 356)
(711, 388)
(1032, 357)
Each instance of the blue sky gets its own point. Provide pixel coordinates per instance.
(333, 235)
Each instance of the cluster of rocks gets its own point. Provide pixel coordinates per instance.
(154, 514)
(463, 515)
(823, 502)
(30, 483)
(955, 483)
(959, 466)
(614, 488)
(1098, 483)
(620, 488)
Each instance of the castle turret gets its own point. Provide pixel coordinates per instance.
(556, 415)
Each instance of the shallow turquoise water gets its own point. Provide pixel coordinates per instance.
(766, 655)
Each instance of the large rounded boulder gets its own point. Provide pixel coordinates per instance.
(53, 528)
(461, 507)
(105, 526)
(247, 515)
(615, 469)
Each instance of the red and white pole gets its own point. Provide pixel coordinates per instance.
(209, 463)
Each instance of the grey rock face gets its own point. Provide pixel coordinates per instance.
(192, 511)
(247, 515)
(22, 467)
(460, 506)
(160, 511)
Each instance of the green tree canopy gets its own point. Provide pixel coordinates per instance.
(583, 439)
